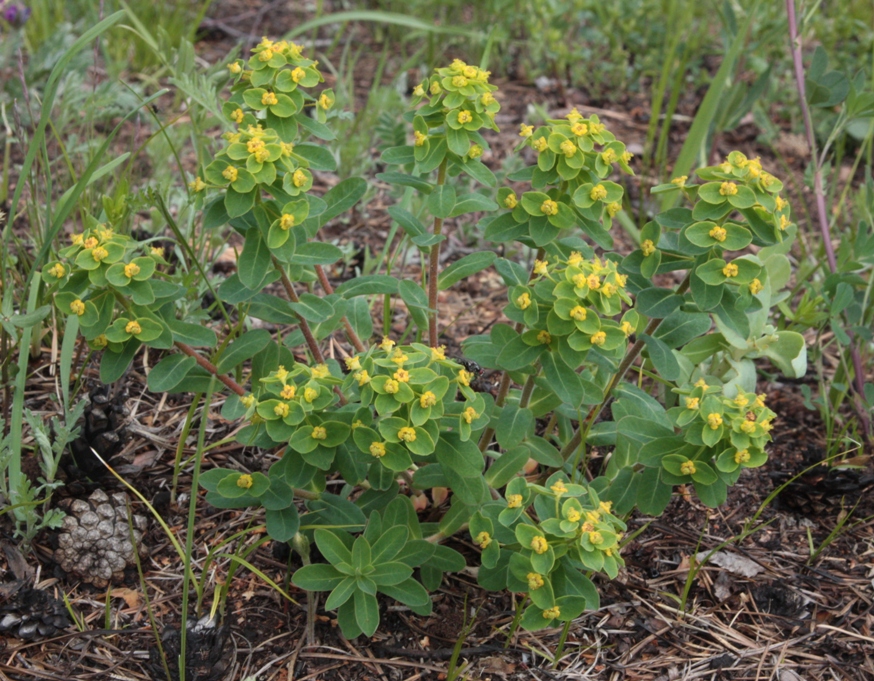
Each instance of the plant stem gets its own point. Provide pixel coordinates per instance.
(304, 326)
(350, 332)
(626, 363)
(211, 368)
(434, 268)
(822, 214)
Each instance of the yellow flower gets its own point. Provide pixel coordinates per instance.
(245, 481)
(718, 233)
(483, 539)
(549, 207)
(99, 253)
(593, 281)
(310, 394)
(627, 328)
(419, 91)
(353, 363)
(435, 88)
(392, 386)
(325, 102)
(539, 545)
(596, 538)
(469, 415)
(544, 338)
(402, 376)
(262, 155)
(475, 151)
(288, 392)
(131, 270)
(464, 117)
(281, 410)
(568, 148)
(357, 423)
(299, 178)
(748, 427)
(77, 307)
(133, 328)
(377, 449)
(551, 613)
(730, 270)
(742, 456)
(780, 202)
(579, 280)
(701, 384)
(269, 99)
(608, 289)
(648, 247)
(598, 338)
(541, 144)
(784, 222)
(523, 302)
(680, 181)
(714, 420)
(593, 516)
(230, 174)
(606, 506)
(766, 425)
(76, 239)
(287, 148)
(234, 68)
(608, 156)
(599, 192)
(470, 71)
(535, 581)
(57, 270)
(613, 208)
(579, 129)
(387, 344)
(756, 286)
(320, 371)
(511, 201)
(90, 242)
(741, 401)
(281, 373)
(573, 515)
(526, 130)
(319, 433)
(428, 399)
(691, 402)
(728, 189)
(407, 434)
(459, 81)
(540, 267)
(559, 488)
(487, 98)
(265, 55)
(298, 74)
(626, 157)
(579, 313)
(760, 399)
(248, 401)
(420, 138)
(688, 468)
(439, 353)
(575, 258)
(398, 357)
(464, 377)
(197, 185)
(514, 501)
(286, 222)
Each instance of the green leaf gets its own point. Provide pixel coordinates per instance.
(254, 262)
(114, 364)
(405, 180)
(467, 266)
(313, 308)
(342, 197)
(369, 284)
(318, 157)
(507, 466)
(653, 495)
(441, 201)
(514, 425)
(242, 349)
(662, 357)
(237, 203)
(332, 547)
(562, 379)
(408, 592)
(472, 203)
(317, 577)
(170, 372)
(366, 612)
(314, 253)
(192, 334)
(657, 303)
(282, 524)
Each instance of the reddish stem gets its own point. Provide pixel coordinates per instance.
(211, 368)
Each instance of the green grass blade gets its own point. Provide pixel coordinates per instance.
(697, 136)
(382, 18)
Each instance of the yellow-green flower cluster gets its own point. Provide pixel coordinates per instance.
(575, 298)
(463, 95)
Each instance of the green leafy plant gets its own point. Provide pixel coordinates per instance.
(403, 415)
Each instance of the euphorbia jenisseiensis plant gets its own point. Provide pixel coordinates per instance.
(399, 416)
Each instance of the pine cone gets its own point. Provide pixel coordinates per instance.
(33, 614)
(207, 654)
(95, 543)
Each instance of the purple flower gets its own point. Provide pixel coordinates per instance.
(16, 15)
